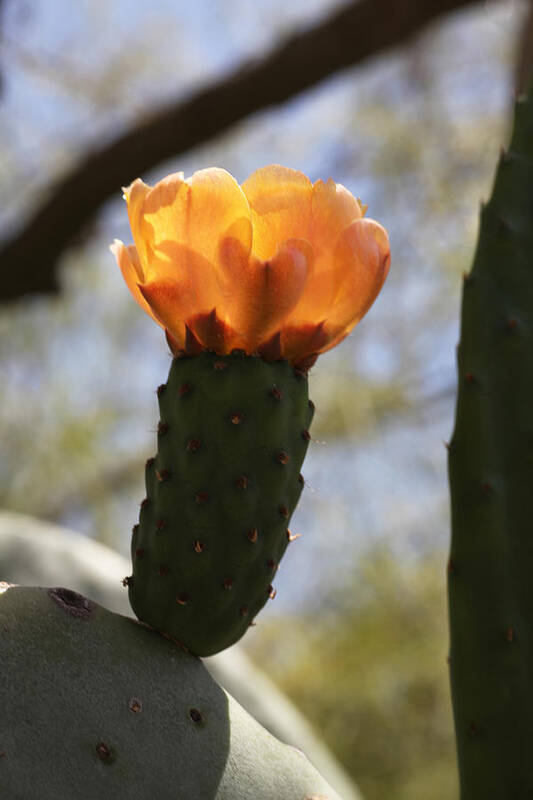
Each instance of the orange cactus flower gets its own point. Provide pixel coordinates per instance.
(278, 267)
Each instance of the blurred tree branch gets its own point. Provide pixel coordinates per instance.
(351, 34)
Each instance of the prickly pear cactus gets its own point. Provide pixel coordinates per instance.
(98, 705)
(491, 481)
(232, 437)
(267, 275)
(35, 552)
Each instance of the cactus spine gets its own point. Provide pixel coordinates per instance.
(491, 481)
(232, 437)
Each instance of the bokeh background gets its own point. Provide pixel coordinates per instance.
(357, 633)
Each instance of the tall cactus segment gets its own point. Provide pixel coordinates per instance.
(232, 437)
(96, 705)
(491, 481)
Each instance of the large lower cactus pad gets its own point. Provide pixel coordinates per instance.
(95, 705)
(232, 437)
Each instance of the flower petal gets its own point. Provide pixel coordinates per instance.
(212, 332)
(359, 266)
(171, 304)
(135, 195)
(300, 341)
(362, 261)
(264, 292)
(333, 209)
(130, 266)
(271, 349)
(280, 202)
(185, 220)
(175, 347)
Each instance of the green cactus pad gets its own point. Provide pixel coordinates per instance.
(491, 481)
(232, 437)
(95, 705)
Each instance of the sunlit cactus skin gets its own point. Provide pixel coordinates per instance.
(96, 705)
(232, 436)
(491, 478)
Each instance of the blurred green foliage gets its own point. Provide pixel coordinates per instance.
(369, 670)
